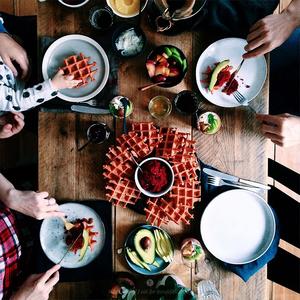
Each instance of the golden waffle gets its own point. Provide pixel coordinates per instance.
(186, 171)
(79, 67)
(154, 215)
(149, 131)
(134, 143)
(118, 155)
(172, 142)
(122, 192)
(186, 194)
(115, 170)
(186, 152)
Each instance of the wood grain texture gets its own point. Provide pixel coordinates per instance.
(68, 174)
(238, 148)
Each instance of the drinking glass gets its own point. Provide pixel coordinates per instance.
(207, 291)
(160, 107)
(97, 133)
(101, 18)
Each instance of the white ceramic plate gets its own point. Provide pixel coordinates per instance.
(238, 226)
(251, 76)
(70, 45)
(52, 236)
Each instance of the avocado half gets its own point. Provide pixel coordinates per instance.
(148, 254)
(215, 73)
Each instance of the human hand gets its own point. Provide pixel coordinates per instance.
(11, 51)
(283, 130)
(269, 33)
(61, 81)
(38, 286)
(11, 124)
(33, 204)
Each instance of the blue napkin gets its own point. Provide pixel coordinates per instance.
(245, 271)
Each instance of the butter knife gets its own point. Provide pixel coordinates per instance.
(235, 179)
(90, 110)
(69, 248)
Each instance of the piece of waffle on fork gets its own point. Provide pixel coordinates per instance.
(80, 68)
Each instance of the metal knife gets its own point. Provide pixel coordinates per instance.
(233, 75)
(69, 248)
(235, 179)
(90, 110)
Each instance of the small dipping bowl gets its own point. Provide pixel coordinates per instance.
(170, 177)
(73, 3)
(186, 102)
(98, 133)
(125, 39)
(208, 122)
(160, 107)
(101, 18)
(116, 107)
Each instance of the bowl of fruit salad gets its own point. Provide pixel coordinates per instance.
(166, 64)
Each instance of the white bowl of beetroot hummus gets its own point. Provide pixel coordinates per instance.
(154, 177)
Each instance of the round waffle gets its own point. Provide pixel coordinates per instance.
(144, 139)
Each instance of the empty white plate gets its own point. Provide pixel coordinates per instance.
(238, 226)
(251, 76)
(74, 44)
(52, 236)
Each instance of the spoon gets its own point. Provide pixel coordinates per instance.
(149, 86)
(125, 103)
(134, 160)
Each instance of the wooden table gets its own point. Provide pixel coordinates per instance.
(71, 175)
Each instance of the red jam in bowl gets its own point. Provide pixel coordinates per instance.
(154, 177)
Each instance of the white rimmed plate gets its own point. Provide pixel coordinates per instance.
(52, 236)
(251, 76)
(70, 45)
(238, 226)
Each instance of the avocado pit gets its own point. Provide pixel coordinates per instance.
(145, 243)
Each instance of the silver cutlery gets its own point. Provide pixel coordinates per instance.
(89, 110)
(91, 102)
(217, 181)
(233, 75)
(235, 179)
(240, 98)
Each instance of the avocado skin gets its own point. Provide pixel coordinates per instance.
(215, 73)
(147, 255)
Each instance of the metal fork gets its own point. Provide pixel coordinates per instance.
(217, 181)
(91, 102)
(239, 98)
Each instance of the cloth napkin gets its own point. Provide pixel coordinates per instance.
(245, 271)
(100, 268)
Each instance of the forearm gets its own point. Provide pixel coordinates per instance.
(293, 12)
(19, 99)
(5, 188)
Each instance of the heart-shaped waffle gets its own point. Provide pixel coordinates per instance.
(172, 142)
(186, 171)
(185, 195)
(149, 131)
(134, 143)
(118, 155)
(115, 170)
(79, 67)
(154, 215)
(122, 192)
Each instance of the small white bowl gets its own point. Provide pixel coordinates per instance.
(73, 5)
(171, 179)
(109, 3)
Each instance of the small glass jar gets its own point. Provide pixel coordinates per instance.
(208, 123)
(117, 107)
(160, 107)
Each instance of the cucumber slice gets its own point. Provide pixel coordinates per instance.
(175, 52)
(184, 65)
(168, 51)
(156, 264)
